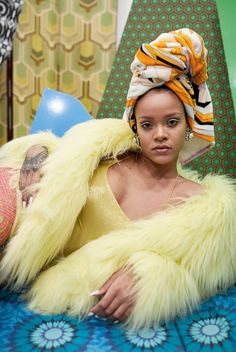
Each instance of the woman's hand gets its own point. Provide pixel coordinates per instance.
(30, 172)
(118, 296)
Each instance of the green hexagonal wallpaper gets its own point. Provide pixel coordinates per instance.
(148, 19)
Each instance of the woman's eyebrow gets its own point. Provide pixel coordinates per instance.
(144, 117)
(172, 114)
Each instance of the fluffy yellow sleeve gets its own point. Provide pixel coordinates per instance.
(179, 257)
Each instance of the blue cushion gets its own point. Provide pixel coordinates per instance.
(58, 112)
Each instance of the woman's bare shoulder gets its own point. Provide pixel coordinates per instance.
(125, 163)
(120, 175)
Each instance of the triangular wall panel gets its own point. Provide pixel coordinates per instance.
(148, 19)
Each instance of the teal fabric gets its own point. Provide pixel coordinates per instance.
(210, 328)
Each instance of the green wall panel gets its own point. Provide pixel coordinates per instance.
(148, 19)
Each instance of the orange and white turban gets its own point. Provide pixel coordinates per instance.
(178, 60)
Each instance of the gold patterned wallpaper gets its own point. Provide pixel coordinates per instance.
(68, 45)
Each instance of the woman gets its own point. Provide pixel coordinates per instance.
(114, 219)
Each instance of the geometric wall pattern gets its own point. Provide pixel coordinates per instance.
(148, 19)
(60, 44)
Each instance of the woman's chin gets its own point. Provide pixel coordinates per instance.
(161, 159)
(163, 162)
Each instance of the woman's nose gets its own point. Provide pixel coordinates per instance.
(160, 133)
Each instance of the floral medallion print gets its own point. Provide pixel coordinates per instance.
(210, 331)
(45, 333)
(210, 328)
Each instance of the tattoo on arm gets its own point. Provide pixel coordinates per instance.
(35, 162)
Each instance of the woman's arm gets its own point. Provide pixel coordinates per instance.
(157, 290)
(30, 172)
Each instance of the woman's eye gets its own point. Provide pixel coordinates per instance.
(146, 125)
(172, 122)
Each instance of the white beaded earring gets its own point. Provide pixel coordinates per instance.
(136, 139)
(188, 134)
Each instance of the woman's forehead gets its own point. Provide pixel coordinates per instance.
(162, 99)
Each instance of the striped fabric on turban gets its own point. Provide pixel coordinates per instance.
(178, 60)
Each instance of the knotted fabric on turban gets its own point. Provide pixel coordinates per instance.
(178, 60)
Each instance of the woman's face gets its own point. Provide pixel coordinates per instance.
(161, 126)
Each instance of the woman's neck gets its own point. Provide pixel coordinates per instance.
(153, 170)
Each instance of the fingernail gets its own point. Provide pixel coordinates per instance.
(95, 293)
(30, 200)
(24, 204)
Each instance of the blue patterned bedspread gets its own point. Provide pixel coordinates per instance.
(211, 328)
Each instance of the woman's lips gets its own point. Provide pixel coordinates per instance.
(162, 149)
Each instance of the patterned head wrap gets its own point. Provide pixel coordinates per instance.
(178, 60)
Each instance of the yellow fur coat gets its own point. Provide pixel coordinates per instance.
(179, 256)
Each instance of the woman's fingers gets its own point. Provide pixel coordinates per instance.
(104, 303)
(122, 312)
(27, 196)
(111, 308)
(118, 300)
(22, 180)
(116, 310)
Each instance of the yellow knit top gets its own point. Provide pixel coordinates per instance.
(101, 212)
